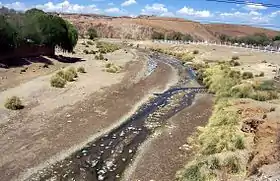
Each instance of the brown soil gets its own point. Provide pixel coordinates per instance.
(266, 139)
(142, 28)
(29, 140)
(27, 70)
(165, 153)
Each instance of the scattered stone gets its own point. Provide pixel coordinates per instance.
(130, 151)
(68, 115)
(122, 134)
(123, 159)
(101, 177)
(69, 121)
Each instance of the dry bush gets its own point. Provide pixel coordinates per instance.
(57, 81)
(73, 71)
(13, 103)
(247, 75)
(195, 52)
(99, 57)
(235, 58)
(81, 69)
(112, 68)
(105, 47)
(86, 52)
(90, 42)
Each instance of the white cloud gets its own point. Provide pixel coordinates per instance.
(128, 3)
(154, 9)
(67, 7)
(16, 6)
(245, 17)
(253, 6)
(112, 10)
(196, 13)
(167, 14)
(64, 6)
(274, 14)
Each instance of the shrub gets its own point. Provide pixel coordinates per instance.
(234, 63)
(86, 51)
(185, 57)
(264, 95)
(193, 173)
(90, 43)
(214, 163)
(247, 75)
(60, 73)
(99, 57)
(92, 33)
(112, 68)
(57, 81)
(232, 163)
(235, 58)
(195, 52)
(81, 70)
(13, 103)
(73, 71)
(261, 74)
(69, 76)
(92, 52)
(242, 91)
(239, 142)
(265, 85)
(105, 47)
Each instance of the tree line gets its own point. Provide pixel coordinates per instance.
(255, 39)
(35, 27)
(171, 36)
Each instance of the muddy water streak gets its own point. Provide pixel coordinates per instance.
(107, 157)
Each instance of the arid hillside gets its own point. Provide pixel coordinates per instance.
(144, 26)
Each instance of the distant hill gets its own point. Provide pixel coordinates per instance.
(142, 27)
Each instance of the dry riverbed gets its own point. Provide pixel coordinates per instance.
(55, 122)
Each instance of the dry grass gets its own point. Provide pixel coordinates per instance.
(13, 103)
(57, 81)
(112, 68)
(81, 69)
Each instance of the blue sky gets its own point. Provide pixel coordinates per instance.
(251, 13)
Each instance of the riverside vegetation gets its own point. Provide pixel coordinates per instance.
(221, 145)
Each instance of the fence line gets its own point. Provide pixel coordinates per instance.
(268, 49)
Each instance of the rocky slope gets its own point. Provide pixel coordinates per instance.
(142, 27)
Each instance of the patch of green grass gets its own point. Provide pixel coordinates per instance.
(13, 103)
(57, 81)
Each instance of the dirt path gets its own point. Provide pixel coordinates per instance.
(31, 137)
(164, 154)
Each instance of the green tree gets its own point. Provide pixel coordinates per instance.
(157, 35)
(92, 33)
(8, 35)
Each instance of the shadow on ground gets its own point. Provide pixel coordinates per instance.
(18, 62)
